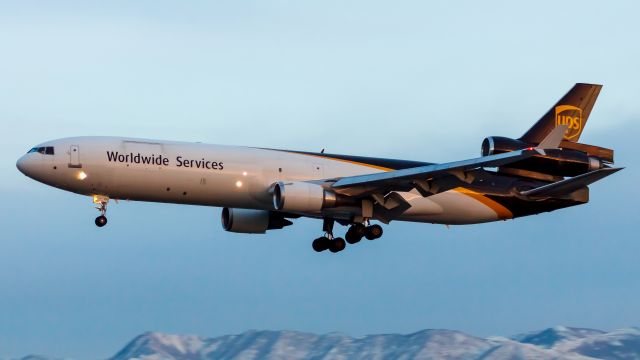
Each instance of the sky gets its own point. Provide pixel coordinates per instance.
(404, 79)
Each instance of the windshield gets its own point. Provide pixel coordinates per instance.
(46, 150)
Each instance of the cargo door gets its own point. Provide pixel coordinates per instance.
(74, 156)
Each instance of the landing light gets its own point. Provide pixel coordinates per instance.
(81, 175)
(238, 183)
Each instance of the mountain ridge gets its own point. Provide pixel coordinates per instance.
(556, 343)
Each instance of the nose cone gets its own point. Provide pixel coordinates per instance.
(21, 164)
(27, 165)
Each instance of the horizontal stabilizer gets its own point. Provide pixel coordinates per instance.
(570, 185)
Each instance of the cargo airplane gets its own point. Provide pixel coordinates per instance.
(260, 189)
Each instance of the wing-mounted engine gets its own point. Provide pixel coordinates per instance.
(570, 159)
(251, 221)
(306, 197)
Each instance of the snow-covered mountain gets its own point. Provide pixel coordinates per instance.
(558, 343)
(40, 357)
(619, 344)
(550, 337)
(553, 343)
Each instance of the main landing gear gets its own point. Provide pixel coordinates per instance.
(328, 242)
(102, 202)
(355, 233)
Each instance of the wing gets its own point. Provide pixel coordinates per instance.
(418, 177)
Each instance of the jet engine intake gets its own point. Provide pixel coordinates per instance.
(300, 196)
(500, 144)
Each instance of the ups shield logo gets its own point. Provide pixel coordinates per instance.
(572, 117)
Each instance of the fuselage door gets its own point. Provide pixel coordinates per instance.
(74, 156)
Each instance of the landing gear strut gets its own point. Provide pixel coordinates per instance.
(102, 202)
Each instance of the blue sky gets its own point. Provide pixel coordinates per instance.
(416, 80)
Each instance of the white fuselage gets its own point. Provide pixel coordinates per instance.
(217, 175)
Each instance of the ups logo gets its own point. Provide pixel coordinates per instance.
(572, 117)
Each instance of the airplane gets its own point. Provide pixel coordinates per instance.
(262, 189)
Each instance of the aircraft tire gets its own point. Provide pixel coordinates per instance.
(351, 237)
(101, 221)
(373, 232)
(355, 234)
(337, 245)
(320, 244)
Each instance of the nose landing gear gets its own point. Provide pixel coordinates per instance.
(102, 202)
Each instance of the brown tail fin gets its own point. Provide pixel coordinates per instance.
(572, 110)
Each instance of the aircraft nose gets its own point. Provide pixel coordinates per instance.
(24, 165)
(20, 165)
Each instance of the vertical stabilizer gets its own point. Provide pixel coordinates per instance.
(572, 110)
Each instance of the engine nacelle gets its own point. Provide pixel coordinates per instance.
(299, 196)
(499, 144)
(250, 221)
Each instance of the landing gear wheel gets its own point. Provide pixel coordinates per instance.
(320, 244)
(355, 233)
(337, 245)
(102, 202)
(351, 238)
(373, 232)
(101, 221)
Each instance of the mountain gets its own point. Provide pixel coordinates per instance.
(616, 345)
(557, 343)
(39, 357)
(550, 337)
(443, 344)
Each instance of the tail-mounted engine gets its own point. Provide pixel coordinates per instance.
(499, 144)
(570, 159)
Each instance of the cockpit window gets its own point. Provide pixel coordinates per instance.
(45, 150)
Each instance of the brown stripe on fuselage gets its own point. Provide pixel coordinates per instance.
(522, 207)
(501, 211)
